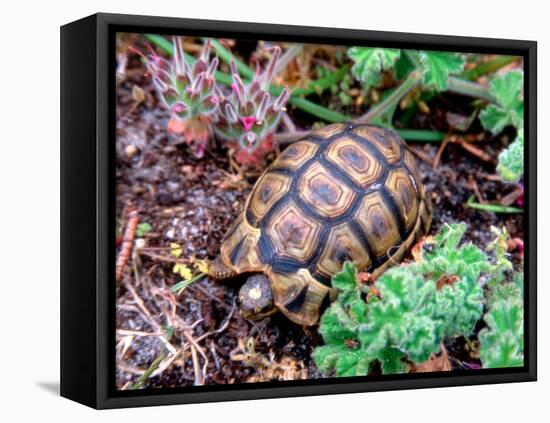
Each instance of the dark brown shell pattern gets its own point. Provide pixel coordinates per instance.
(344, 193)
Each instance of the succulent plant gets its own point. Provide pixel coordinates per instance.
(188, 90)
(249, 115)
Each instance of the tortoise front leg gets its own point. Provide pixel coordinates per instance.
(218, 270)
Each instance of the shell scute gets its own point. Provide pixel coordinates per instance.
(387, 141)
(353, 158)
(323, 192)
(343, 244)
(270, 188)
(296, 155)
(378, 223)
(402, 188)
(294, 233)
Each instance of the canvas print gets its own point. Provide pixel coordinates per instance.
(290, 212)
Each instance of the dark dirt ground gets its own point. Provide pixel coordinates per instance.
(192, 202)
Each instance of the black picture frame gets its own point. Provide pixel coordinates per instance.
(87, 209)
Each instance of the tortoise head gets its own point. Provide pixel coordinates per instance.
(256, 297)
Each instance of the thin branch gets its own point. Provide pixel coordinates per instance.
(414, 79)
(287, 57)
(287, 122)
(290, 137)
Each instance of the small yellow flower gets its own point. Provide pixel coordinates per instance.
(183, 271)
(201, 265)
(175, 249)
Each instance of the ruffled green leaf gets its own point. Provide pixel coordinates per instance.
(510, 161)
(345, 280)
(391, 360)
(333, 328)
(370, 62)
(501, 343)
(437, 66)
(507, 90)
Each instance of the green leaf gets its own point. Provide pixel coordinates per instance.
(510, 160)
(143, 228)
(404, 65)
(391, 360)
(495, 119)
(346, 361)
(501, 343)
(370, 62)
(346, 279)
(507, 90)
(180, 286)
(437, 66)
(325, 356)
(349, 363)
(169, 331)
(332, 329)
(459, 307)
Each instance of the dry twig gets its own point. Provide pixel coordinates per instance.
(127, 243)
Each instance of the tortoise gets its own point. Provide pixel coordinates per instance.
(346, 192)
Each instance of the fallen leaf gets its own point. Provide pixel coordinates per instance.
(435, 363)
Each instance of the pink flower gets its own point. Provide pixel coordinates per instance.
(247, 122)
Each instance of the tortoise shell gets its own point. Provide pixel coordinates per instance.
(344, 192)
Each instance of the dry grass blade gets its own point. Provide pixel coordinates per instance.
(199, 373)
(146, 314)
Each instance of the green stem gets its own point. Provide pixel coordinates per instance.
(468, 88)
(318, 111)
(143, 378)
(226, 56)
(412, 58)
(180, 286)
(488, 67)
(161, 42)
(423, 135)
(494, 208)
(420, 135)
(408, 84)
(320, 85)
